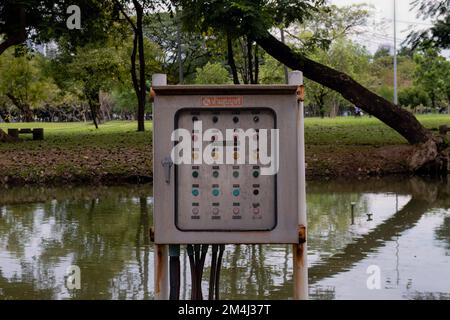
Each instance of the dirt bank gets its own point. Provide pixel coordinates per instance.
(95, 165)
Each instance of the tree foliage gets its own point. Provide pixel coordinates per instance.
(433, 74)
(45, 20)
(24, 84)
(212, 73)
(438, 35)
(244, 17)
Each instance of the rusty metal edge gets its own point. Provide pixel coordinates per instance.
(224, 89)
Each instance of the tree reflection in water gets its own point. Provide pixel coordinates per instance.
(104, 230)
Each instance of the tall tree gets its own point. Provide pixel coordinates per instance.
(133, 11)
(23, 81)
(345, 56)
(163, 28)
(257, 18)
(433, 75)
(94, 69)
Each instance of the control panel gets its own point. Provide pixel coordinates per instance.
(225, 195)
(225, 164)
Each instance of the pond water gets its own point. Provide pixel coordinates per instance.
(400, 227)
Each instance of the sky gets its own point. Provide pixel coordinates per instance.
(384, 11)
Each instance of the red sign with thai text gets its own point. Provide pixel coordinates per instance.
(227, 101)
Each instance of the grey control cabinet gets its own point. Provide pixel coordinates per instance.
(228, 190)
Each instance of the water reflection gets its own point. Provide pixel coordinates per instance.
(101, 230)
(104, 231)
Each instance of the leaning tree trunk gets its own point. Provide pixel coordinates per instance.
(429, 149)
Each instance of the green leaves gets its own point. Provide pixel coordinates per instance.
(23, 81)
(244, 17)
(212, 73)
(438, 35)
(433, 74)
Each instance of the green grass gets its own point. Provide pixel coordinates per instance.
(360, 131)
(328, 131)
(79, 152)
(80, 134)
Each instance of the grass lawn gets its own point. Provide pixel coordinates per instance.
(360, 131)
(80, 134)
(79, 152)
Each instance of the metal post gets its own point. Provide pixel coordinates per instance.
(395, 54)
(300, 264)
(161, 272)
(161, 253)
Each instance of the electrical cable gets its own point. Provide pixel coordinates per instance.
(219, 264)
(190, 251)
(174, 271)
(174, 278)
(197, 256)
(200, 266)
(212, 277)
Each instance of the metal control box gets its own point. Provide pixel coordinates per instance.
(228, 189)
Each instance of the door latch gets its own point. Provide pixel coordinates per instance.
(167, 164)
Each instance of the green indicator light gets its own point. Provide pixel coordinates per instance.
(236, 192)
(215, 192)
(195, 192)
(216, 174)
(236, 174)
(195, 174)
(256, 174)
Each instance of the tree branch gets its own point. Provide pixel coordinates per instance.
(21, 34)
(122, 10)
(231, 61)
(395, 117)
